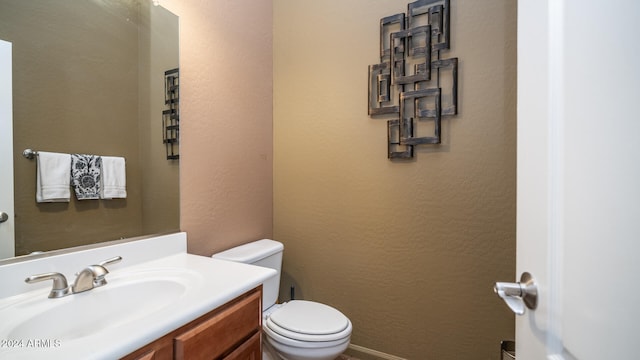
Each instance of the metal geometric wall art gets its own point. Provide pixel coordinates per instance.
(412, 84)
(171, 116)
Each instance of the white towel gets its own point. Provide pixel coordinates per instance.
(114, 177)
(52, 177)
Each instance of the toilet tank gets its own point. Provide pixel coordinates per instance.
(265, 253)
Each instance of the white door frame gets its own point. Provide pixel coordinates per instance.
(7, 228)
(540, 172)
(532, 205)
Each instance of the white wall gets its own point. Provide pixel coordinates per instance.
(7, 245)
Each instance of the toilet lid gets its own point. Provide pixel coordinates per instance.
(309, 321)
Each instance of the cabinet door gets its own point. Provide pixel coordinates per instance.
(161, 349)
(250, 350)
(151, 355)
(222, 332)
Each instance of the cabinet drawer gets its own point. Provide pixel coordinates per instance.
(250, 350)
(222, 332)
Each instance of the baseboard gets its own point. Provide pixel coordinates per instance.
(363, 353)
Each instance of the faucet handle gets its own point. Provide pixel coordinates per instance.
(100, 270)
(110, 261)
(60, 286)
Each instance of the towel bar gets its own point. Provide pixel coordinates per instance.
(29, 154)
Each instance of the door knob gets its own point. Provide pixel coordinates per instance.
(3, 217)
(520, 294)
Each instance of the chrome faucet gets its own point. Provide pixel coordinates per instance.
(87, 278)
(90, 277)
(93, 276)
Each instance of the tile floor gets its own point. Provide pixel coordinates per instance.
(345, 357)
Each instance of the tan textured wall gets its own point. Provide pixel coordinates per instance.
(408, 250)
(160, 192)
(226, 149)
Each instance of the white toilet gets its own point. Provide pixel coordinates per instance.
(298, 329)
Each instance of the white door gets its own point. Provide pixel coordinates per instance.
(6, 153)
(578, 212)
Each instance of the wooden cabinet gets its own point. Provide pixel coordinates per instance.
(230, 332)
(249, 350)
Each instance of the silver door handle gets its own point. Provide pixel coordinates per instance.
(3, 217)
(520, 294)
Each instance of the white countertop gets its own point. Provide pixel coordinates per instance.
(212, 283)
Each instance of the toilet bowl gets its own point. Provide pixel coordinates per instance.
(307, 330)
(298, 329)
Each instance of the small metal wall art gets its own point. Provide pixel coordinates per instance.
(412, 83)
(171, 116)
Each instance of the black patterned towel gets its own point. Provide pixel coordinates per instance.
(85, 175)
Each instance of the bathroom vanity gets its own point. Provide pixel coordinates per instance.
(159, 303)
(231, 331)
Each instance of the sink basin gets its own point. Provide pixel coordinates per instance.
(156, 289)
(126, 298)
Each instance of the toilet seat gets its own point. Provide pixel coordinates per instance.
(308, 321)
